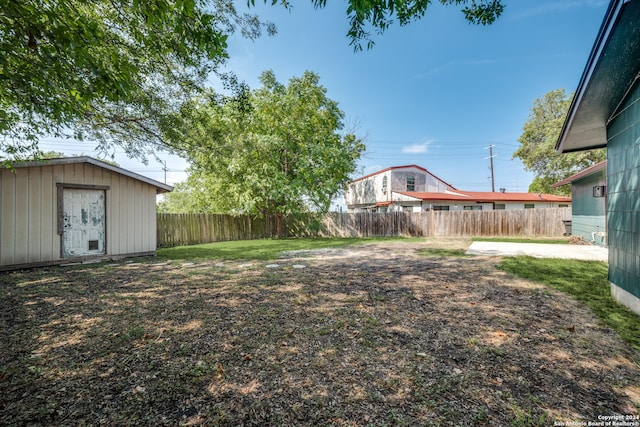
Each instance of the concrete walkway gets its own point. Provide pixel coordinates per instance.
(539, 250)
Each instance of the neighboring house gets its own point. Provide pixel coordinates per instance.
(377, 190)
(589, 207)
(605, 112)
(415, 189)
(72, 209)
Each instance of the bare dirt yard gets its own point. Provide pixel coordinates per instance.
(372, 335)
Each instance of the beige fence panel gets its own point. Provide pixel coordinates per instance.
(374, 224)
(192, 229)
(521, 222)
(189, 229)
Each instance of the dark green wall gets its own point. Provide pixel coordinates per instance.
(623, 180)
(588, 213)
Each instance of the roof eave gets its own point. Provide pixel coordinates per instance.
(160, 187)
(582, 174)
(600, 90)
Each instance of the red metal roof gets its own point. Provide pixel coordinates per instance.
(486, 197)
(433, 196)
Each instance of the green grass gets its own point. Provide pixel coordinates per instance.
(522, 240)
(584, 280)
(264, 249)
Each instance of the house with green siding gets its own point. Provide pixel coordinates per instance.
(605, 112)
(589, 208)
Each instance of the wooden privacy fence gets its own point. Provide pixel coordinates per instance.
(192, 229)
(520, 222)
(189, 229)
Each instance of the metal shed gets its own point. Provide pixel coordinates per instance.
(74, 209)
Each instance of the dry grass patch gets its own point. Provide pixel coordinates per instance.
(369, 335)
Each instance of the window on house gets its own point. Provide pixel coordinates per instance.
(411, 183)
(440, 208)
(561, 205)
(499, 206)
(407, 208)
(384, 184)
(473, 208)
(529, 206)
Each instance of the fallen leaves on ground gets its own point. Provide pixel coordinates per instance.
(368, 335)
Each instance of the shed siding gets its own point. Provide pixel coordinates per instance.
(21, 204)
(7, 218)
(29, 211)
(623, 178)
(34, 221)
(117, 210)
(50, 242)
(113, 207)
(130, 208)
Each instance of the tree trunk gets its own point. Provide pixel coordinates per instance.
(279, 225)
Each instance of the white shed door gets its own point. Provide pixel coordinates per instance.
(84, 222)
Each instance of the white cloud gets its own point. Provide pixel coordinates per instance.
(416, 148)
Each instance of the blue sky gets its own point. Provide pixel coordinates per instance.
(434, 93)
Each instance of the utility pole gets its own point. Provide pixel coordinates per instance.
(491, 156)
(164, 162)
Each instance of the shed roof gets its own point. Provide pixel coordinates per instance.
(611, 71)
(160, 187)
(585, 172)
(486, 196)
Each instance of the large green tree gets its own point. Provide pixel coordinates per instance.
(115, 71)
(278, 150)
(111, 70)
(538, 140)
